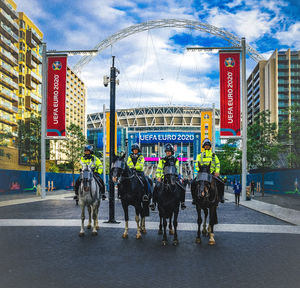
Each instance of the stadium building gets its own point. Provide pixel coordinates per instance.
(153, 127)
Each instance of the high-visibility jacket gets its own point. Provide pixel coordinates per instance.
(136, 162)
(207, 156)
(161, 164)
(97, 164)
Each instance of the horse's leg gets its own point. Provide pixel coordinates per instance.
(164, 241)
(212, 217)
(143, 225)
(95, 214)
(90, 217)
(137, 220)
(160, 225)
(199, 221)
(125, 208)
(81, 233)
(171, 231)
(175, 222)
(204, 231)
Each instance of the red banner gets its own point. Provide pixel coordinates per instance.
(56, 99)
(230, 94)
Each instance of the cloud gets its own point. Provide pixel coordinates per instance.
(290, 37)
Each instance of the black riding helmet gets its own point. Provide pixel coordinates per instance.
(169, 147)
(89, 148)
(205, 142)
(135, 146)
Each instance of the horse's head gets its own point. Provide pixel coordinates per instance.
(118, 167)
(86, 175)
(170, 174)
(204, 180)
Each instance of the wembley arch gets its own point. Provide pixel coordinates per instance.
(167, 23)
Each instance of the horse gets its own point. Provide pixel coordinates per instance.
(131, 191)
(89, 195)
(206, 198)
(168, 200)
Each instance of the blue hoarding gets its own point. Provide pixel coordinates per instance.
(166, 137)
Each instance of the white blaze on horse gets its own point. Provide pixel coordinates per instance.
(89, 196)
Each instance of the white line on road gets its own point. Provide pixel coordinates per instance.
(242, 228)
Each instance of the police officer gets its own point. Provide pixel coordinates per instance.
(169, 150)
(205, 158)
(97, 169)
(136, 161)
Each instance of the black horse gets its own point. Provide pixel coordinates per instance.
(206, 198)
(131, 190)
(168, 198)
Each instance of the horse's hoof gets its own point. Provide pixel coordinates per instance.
(164, 243)
(94, 233)
(171, 232)
(175, 242)
(97, 227)
(81, 234)
(89, 226)
(125, 236)
(138, 236)
(198, 240)
(204, 233)
(211, 242)
(159, 232)
(144, 231)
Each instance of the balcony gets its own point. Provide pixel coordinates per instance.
(7, 69)
(6, 106)
(7, 57)
(7, 94)
(36, 36)
(36, 57)
(28, 103)
(35, 98)
(7, 119)
(6, 81)
(8, 32)
(9, 20)
(8, 45)
(29, 41)
(29, 62)
(36, 78)
(9, 9)
(28, 81)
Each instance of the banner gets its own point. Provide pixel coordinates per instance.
(165, 137)
(230, 93)
(107, 121)
(206, 126)
(56, 97)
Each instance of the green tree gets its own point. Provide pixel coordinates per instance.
(289, 133)
(230, 158)
(262, 143)
(73, 146)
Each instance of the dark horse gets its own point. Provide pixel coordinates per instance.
(206, 198)
(131, 190)
(168, 199)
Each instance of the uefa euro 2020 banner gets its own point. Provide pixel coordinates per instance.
(230, 94)
(56, 97)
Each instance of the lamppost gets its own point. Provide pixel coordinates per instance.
(45, 55)
(241, 49)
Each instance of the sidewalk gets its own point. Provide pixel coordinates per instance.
(283, 207)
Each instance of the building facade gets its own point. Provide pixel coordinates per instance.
(9, 37)
(274, 85)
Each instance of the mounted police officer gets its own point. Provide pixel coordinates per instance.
(97, 168)
(170, 158)
(205, 158)
(136, 162)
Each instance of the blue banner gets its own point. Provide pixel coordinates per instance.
(166, 137)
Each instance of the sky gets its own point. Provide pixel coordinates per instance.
(155, 67)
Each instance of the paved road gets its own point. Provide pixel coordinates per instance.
(40, 248)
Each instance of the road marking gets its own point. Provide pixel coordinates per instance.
(242, 228)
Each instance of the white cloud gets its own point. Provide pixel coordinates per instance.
(290, 37)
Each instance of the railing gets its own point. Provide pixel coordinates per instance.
(36, 98)
(15, 109)
(9, 31)
(9, 69)
(35, 76)
(9, 94)
(9, 81)
(9, 43)
(9, 56)
(36, 35)
(11, 8)
(37, 56)
(8, 17)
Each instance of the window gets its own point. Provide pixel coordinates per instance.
(21, 79)
(22, 24)
(21, 57)
(22, 35)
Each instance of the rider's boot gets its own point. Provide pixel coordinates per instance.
(103, 196)
(152, 205)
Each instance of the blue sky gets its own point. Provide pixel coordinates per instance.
(155, 67)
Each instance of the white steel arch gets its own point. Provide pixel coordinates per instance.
(167, 23)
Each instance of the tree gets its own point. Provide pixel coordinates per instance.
(262, 143)
(230, 158)
(289, 133)
(73, 146)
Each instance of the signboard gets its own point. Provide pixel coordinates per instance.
(107, 121)
(166, 137)
(206, 126)
(56, 96)
(230, 93)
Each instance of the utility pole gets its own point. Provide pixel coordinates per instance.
(213, 129)
(104, 146)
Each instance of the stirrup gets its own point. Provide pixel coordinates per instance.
(183, 206)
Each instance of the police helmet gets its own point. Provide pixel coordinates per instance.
(89, 148)
(169, 147)
(205, 142)
(135, 146)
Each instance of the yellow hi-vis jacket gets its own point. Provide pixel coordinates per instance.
(97, 164)
(139, 165)
(160, 167)
(207, 156)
